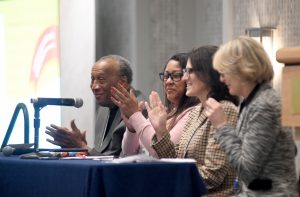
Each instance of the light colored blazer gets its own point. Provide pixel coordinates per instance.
(198, 142)
(109, 143)
(259, 148)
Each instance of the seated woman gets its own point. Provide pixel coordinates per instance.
(197, 140)
(259, 149)
(139, 130)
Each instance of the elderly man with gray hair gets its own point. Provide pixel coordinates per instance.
(107, 72)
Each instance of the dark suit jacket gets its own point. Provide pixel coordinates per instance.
(112, 142)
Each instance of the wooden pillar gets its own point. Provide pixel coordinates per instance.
(290, 96)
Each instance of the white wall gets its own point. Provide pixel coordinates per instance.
(77, 36)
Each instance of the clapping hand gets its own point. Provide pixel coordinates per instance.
(157, 114)
(126, 101)
(215, 113)
(67, 138)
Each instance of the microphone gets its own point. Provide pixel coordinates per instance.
(8, 150)
(17, 149)
(42, 102)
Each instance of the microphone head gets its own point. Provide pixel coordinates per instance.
(78, 102)
(8, 150)
(34, 100)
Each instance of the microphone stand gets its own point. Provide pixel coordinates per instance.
(37, 107)
(13, 121)
(36, 124)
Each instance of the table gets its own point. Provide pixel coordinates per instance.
(89, 178)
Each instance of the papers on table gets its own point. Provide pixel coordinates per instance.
(178, 160)
(141, 158)
(100, 158)
(135, 159)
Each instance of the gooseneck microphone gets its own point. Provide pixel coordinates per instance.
(42, 102)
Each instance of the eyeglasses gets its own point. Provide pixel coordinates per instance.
(174, 76)
(188, 71)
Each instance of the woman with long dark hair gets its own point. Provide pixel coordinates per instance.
(139, 130)
(197, 140)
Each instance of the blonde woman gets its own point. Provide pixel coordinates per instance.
(259, 149)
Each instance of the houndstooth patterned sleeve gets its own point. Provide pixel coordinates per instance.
(164, 148)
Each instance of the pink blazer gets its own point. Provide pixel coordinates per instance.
(133, 142)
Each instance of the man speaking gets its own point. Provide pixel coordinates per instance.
(107, 72)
